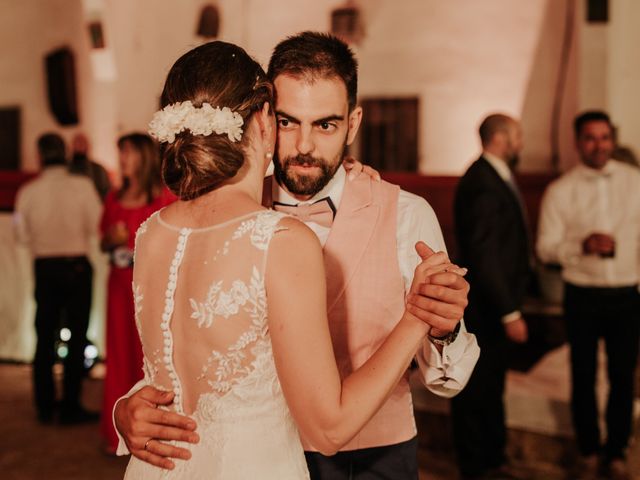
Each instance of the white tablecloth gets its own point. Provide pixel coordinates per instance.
(17, 307)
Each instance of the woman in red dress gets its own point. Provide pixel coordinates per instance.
(141, 194)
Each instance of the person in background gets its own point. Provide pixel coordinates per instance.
(56, 216)
(492, 235)
(140, 195)
(82, 164)
(590, 225)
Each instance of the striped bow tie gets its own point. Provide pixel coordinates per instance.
(321, 212)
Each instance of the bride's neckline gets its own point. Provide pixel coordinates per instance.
(176, 228)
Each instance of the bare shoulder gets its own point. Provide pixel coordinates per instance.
(293, 234)
(294, 252)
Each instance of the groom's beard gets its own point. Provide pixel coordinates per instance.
(305, 184)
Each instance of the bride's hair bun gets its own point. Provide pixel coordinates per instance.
(222, 75)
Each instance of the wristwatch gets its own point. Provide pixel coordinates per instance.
(448, 339)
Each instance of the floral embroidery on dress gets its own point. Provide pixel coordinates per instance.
(137, 303)
(219, 303)
(142, 229)
(231, 363)
(261, 229)
(150, 369)
(244, 227)
(264, 229)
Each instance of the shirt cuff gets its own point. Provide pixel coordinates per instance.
(570, 253)
(122, 446)
(511, 317)
(447, 374)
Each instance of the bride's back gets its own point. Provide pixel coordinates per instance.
(201, 310)
(201, 306)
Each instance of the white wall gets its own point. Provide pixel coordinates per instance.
(610, 69)
(463, 58)
(28, 31)
(624, 71)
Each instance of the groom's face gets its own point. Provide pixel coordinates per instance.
(314, 127)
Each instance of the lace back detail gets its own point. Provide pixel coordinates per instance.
(204, 337)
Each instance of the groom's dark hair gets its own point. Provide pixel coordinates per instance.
(313, 55)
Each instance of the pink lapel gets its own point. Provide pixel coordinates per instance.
(350, 234)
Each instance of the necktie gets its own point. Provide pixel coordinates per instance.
(513, 186)
(320, 212)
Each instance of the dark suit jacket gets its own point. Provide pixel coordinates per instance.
(493, 243)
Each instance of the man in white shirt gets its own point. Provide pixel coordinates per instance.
(56, 215)
(315, 79)
(590, 225)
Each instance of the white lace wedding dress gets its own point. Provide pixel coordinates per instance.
(201, 311)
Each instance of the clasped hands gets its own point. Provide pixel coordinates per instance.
(438, 294)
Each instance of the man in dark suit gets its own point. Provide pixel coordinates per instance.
(493, 243)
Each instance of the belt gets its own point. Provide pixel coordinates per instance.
(60, 259)
(606, 291)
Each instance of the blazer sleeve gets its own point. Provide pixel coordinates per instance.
(481, 217)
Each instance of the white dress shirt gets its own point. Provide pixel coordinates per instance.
(57, 214)
(444, 374)
(585, 201)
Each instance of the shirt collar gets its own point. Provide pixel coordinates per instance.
(54, 169)
(498, 165)
(333, 190)
(603, 172)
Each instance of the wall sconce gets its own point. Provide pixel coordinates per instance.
(209, 23)
(96, 35)
(346, 23)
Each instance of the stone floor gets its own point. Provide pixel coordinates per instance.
(29, 451)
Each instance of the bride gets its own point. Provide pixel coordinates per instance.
(230, 297)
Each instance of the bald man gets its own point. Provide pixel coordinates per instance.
(82, 164)
(493, 243)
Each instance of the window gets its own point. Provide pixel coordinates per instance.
(9, 138)
(389, 134)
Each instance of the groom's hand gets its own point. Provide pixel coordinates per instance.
(145, 427)
(439, 290)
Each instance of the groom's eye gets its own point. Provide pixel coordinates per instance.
(327, 126)
(283, 122)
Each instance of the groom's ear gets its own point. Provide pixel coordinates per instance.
(355, 117)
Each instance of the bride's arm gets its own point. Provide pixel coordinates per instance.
(328, 412)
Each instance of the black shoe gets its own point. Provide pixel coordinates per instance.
(78, 415)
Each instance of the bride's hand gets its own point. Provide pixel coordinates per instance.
(438, 294)
(355, 168)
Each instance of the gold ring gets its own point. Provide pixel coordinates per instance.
(146, 444)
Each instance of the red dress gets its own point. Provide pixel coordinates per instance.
(124, 352)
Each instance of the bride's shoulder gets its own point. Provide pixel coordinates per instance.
(293, 234)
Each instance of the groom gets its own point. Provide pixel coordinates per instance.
(368, 230)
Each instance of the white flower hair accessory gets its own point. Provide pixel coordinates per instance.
(180, 116)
